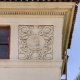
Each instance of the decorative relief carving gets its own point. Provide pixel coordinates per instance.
(36, 42)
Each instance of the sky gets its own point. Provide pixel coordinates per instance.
(74, 52)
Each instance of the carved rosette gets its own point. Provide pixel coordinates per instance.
(36, 42)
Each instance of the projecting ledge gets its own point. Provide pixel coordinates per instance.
(30, 64)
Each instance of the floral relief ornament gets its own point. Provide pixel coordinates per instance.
(36, 42)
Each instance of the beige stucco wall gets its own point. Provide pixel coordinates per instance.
(15, 22)
(30, 74)
(22, 70)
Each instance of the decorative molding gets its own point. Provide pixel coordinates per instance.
(36, 42)
(31, 13)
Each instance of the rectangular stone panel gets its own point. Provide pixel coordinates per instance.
(35, 42)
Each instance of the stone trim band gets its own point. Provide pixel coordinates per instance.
(31, 13)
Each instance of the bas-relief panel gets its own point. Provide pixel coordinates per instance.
(35, 42)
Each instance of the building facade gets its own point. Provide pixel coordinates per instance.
(34, 38)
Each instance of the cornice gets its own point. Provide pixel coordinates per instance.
(31, 13)
(36, 5)
(30, 8)
(41, 11)
(67, 26)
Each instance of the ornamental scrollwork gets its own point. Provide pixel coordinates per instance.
(36, 42)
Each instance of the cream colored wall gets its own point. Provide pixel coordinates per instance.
(15, 22)
(29, 73)
(32, 70)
